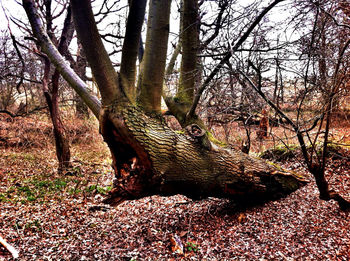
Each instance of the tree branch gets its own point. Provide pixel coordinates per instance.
(228, 56)
(96, 54)
(66, 71)
(131, 45)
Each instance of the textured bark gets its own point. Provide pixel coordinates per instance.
(150, 158)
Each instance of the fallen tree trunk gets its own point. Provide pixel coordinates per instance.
(149, 158)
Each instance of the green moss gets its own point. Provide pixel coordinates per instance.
(334, 151)
(278, 167)
(180, 132)
(279, 153)
(214, 140)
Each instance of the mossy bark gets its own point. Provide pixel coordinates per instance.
(150, 158)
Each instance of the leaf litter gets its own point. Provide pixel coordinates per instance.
(48, 216)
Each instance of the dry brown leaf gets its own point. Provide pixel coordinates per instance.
(176, 245)
(242, 218)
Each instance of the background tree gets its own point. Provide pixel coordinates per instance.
(324, 71)
(18, 78)
(53, 88)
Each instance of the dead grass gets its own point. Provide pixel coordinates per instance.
(35, 131)
(235, 134)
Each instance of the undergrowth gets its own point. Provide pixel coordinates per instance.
(28, 173)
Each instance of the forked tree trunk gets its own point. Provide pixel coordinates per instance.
(149, 158)
(51, 96)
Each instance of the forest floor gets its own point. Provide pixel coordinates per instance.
(48, 215)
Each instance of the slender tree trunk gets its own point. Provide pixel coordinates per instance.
(82, 110)
(189, 70)
(154, 58)
(61, 142)
(131, 46)
(190, 44)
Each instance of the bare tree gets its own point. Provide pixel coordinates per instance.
(325, 58)
(148, 157)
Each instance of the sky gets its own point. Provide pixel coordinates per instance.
(11, 8)
(14, 9)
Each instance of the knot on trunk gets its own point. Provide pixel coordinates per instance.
(198, 135)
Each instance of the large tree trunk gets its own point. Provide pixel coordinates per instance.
(150, 158)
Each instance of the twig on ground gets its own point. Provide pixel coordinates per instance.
(10, 248)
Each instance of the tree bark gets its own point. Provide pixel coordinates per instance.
(82, 110)
(154, 59)
(149, 158)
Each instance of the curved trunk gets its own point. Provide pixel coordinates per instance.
(149, 158)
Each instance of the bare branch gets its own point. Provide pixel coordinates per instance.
(228, 56)
(66, 71)
(96, 54)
